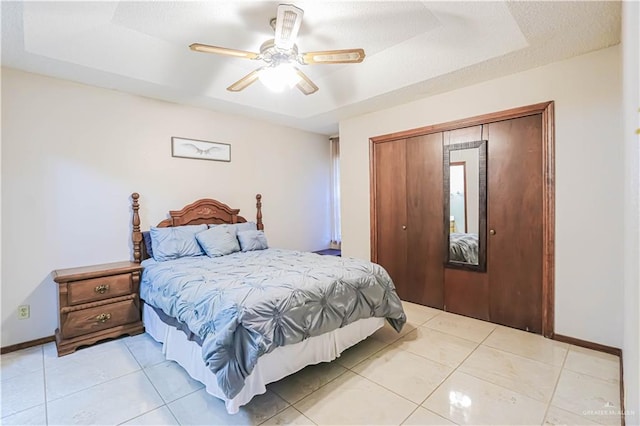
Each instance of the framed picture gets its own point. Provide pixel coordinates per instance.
(201, 150)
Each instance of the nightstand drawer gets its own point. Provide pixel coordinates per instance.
(95, 289)
(98, 318)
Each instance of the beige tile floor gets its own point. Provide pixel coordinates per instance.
(443, 369)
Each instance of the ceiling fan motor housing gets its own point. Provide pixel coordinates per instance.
(275, 56)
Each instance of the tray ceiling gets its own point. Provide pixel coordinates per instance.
(414, 49)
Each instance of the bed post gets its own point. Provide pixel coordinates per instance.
(259, 212)
(136, 235)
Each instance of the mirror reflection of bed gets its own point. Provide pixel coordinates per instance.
(464, 205)
(463, 247)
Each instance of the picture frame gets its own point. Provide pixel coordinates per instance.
(200, 150)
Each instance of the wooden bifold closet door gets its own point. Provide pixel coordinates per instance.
(391, 212)
(408, 173)
(514, 241)
(408, 239)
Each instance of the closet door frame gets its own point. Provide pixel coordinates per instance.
(546, 109)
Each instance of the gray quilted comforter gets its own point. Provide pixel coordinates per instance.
(463, 248)
(245, 305)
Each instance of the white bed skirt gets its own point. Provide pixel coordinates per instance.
(271, 367)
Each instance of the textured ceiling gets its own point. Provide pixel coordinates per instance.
(414, 49)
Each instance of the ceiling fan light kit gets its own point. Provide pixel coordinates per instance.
(280, 55)
(279, 77)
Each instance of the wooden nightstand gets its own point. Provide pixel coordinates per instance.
(97, 302)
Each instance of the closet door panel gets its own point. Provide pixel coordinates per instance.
(424, 220)
(391, 211)
(515, 222)
(466, 293)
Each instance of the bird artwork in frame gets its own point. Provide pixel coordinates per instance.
(202, 150)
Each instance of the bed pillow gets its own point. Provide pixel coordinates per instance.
(219, 240)
(175, 242)
(240, 227)
(252, 240)
(146, 237)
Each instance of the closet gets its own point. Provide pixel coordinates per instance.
(410, 216)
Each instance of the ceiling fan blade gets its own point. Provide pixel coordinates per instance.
(288, 21)
(346, 56)
(198, 47)
(305, 84)
(244, 82)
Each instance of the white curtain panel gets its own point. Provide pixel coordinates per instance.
(336, 236)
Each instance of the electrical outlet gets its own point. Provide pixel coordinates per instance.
(23, 311)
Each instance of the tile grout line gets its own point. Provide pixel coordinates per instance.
(453, 371)
(565, 356)
(617, 381)
(579, 373)
(97, 384)
(354, 372)
(443, 380)
(390, 390)
(397, 340)
(110, 380)
(555, 388)
(291, 404)
(44, 390)
(44, 380)
(476, 348)
(562, 368)
(310, 393)
(184, 396)
(520, 355)
(525, 359)
(286, 408)
(166, 404)
(542, 401)
(386, 345)
(428, 359)
(401, 396)
(278, 412)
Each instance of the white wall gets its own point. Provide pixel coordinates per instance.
(471, 158)
(72, 155)
(631, 71)
(589, 177)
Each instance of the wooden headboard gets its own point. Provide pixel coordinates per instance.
(205, 210)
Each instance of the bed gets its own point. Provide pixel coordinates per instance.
(237, 320)
(463, 247)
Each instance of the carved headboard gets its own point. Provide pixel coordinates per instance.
(205, 210)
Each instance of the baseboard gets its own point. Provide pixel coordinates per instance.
(25, 345)
(601, 348)
(589, 345)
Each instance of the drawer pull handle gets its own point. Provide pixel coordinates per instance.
(102, 289)
(103, 318)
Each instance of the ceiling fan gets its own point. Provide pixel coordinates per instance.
(280, 55)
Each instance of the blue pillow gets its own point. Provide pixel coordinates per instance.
(175, 242)
(244, 226)
(219, 240)
(252, 240)
(146, 237)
